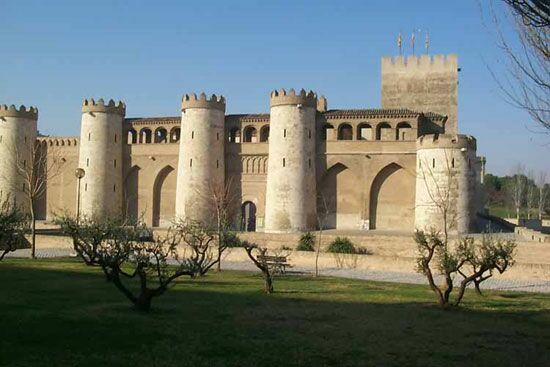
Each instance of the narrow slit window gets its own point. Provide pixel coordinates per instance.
(115, 163)
(453, 163)
(115, 138)
(217, 163)
(309, 133)
(192, 134)
(284, 162)
(89, 136)
(309, 162)
(284, 133)
(191, 162)
(217, 136)
(87, 162)
(433, 163)
(114, 188)
(85, 187)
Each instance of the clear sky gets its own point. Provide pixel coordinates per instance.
(148, 53)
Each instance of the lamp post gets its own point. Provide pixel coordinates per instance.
(79, 174)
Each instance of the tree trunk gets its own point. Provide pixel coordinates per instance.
(268, 283)
(143, 301)
(318, 250)
(33, 232)
(476, 284)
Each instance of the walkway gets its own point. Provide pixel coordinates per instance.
(379, 276)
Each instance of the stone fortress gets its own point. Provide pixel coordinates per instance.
(360, 169)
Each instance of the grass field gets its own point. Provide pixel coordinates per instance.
(60, 313)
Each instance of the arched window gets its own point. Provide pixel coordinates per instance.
(327, 132)
(250, 134)
(175, 135)
(235, 135)
(132, 136)
(345, 132)
(364, 131)
(264, 134)
(145, 135)
(383, 131)
(404, 131)
(161, 135)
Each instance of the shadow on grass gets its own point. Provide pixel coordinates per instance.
(61, 313)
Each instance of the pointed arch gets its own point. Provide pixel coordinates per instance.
(339, 199)
(164, 191)
(390, 204)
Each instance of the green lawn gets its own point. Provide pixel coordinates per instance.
(60, 313)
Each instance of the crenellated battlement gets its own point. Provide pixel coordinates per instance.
(202, 101)
(90, 105)
(281, 97)
(446, 141)
(21, 112)
(420, 63)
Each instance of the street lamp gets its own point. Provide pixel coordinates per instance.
(79, 174)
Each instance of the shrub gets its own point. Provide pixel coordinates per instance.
(307, 242)
(341, 245)
(13, 224)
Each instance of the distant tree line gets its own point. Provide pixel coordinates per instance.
(520, 194)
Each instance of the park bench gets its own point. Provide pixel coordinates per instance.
(277, 264)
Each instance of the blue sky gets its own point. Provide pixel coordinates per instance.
(148, 53)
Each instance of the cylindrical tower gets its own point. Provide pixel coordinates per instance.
(446, 182)
(201, 165)
(291, 188)
(100, 156)
(17, 139)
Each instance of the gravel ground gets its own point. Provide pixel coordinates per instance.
(382, 276)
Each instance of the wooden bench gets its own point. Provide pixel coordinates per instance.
(277, 264)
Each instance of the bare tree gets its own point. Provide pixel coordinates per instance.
(322, 215)
(441, 188)
(527, 85)
(224, 200)
(34, 165)
(531, 192)
(543, 193)
(518, 188)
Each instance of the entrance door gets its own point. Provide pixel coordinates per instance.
(248, 214)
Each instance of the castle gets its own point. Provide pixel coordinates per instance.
(356, 169)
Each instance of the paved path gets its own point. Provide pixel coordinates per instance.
(381, 276)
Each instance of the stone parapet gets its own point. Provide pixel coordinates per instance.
(419, 63)
(202, 101)
(21, 112)
(281, 98)
(446, 141)
(90, 105)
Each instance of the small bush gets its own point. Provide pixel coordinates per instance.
(342, 245)
(307, 242)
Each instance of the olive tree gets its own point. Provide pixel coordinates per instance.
(13, 225)
(138, 266)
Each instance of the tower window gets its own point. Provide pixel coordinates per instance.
(284, 133)
(284, 162)
(114, 188)
(24, 163)
(309, 162)
(309, 133)
(115, 163)
(85, 187)
(115, 138)
(87, 162)
(191, 162)
(453, 163)
(217, 136)
(89, 136)
(433, 163)
(217, 163)
(192, 134)
(25, 139)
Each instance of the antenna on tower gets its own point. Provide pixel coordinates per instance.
(400, 44)
(427, 43)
